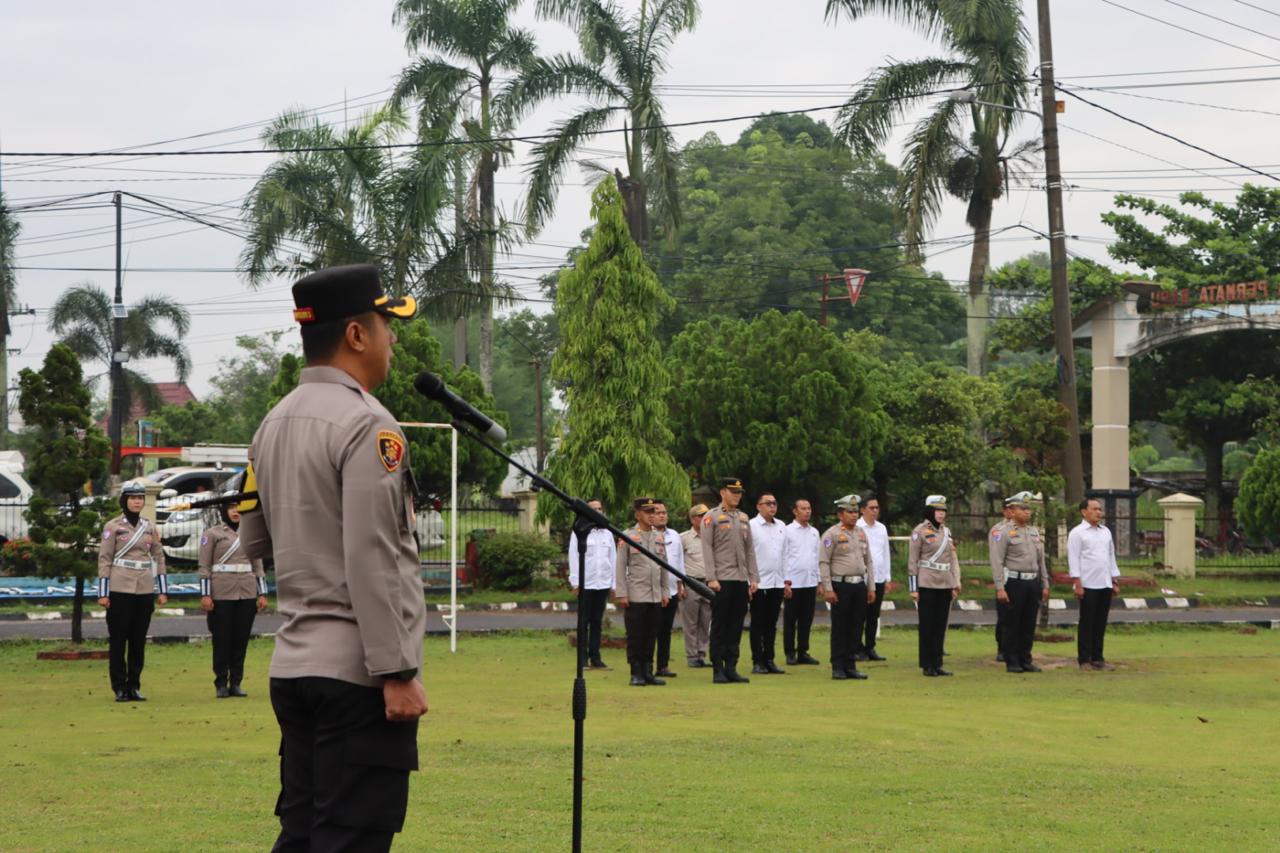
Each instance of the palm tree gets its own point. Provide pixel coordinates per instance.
(473, 41)
(82, 317)
(9, 230)
(956, 148)
(625, 55)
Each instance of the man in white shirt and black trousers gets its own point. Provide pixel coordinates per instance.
(1091, 559)
(675, 590)
(800, 584)
(596, 583)
(767, 535)
(865, 630)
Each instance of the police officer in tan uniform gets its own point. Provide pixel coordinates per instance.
(233, 588)
(730, 560)
(1002, 607)
(846, 582)
(640, 589)
(130, 570)
(933, 571)
(1021, 580)
(695, 611)
(336, 510)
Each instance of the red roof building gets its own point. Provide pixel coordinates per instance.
(170, 393)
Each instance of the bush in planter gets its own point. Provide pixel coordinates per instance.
(513, 561)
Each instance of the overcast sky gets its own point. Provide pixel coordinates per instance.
(80, 76)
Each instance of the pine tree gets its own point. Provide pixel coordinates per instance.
(70, 452)
(616, 442)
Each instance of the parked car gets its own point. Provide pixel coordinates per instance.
(15, 494)
(180, 531)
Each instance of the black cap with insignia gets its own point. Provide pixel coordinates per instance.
(732, 483)
(643, 503)
(337, 293)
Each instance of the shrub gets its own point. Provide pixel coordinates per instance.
(513, 561)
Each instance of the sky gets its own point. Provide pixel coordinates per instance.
(81, 76)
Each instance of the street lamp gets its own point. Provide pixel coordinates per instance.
(1073, 458)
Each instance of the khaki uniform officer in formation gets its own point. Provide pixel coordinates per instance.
(730, 559)
(1002, 607)
(640, 589)
(233, 589)
(844, 563)
(695, 611)
(336, 510)
(1021, 580)
(933, 571)
(130, 570)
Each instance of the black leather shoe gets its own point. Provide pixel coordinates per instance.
(697, 663)
(597, 663)
(1101, 664)
(732, 675)
(652, 680)
(135, 696)
(719, 677)
(223, 693)
(839, 675)
(123, 695)
(941, 671)
(773, 668)
(856, 675)
(807, 659)
(1030, 667)
(929, 672)
(759, 669)
(1000, 657)
(860, 656)
(1013, 667)
(237, 692)
(791, 660)
(874, 655)
(638, 681)
(665, 672)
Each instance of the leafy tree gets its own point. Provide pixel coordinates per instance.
(617, 439)
(1023, 292)
(625, 58)
(522, 338)
(194, 422)
(1258, 505)
(794, 129)
(54, 401)
(9, 230)
(286, 378)
(959, 149)
(778, 401)
(1143, 457)
(83, 319)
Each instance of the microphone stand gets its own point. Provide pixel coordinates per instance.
(587, 519)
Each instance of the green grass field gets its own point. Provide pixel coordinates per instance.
(983, 761)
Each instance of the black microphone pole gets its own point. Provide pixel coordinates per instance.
(587, 518)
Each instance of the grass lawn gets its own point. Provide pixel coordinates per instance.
(1059, 761)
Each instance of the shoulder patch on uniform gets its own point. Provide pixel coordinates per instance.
(106, 534)
(915, 536)
(204, 540)
(707, 521)
(995, 536)
(390, 449)
(826, 543)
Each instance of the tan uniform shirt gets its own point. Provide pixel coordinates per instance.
(135, 568)
(727, 551)
(844, 553)
(639, 579)
(691, 542)
(929, 563)
(226, 571)
(1016, 548)
(336, 512)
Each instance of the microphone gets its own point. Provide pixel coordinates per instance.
(432, 387)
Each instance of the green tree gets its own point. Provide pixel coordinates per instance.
(1258, 505)
(54, 402)
(626, 56)
(9, 230)
(959, 149)
(522, 338)
(1024, 301)
(82, 318)
(194, 422)
(778, 401)
(617, 439)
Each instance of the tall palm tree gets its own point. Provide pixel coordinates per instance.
(82, 317)
(957, 148)
(473, 41)
(625, 57)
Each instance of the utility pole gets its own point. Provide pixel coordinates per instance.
(4, 323)
(118, 358)
(542, 446)
(1063, 339)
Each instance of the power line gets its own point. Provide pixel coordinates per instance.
(1223, 107)
(1196, 11)
(1259, 8)
(1189, 30)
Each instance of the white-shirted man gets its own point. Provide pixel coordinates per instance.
(800, 583)
(864, 635)
(675, 591)
(1091, 559)
(596, 582)
(767, 535)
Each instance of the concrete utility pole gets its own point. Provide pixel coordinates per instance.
(542, 446)
(1072, 458)
(118, 358)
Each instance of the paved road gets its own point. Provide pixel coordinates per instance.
(175, 627)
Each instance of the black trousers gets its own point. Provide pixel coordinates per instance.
(934, 609)
(594, 601)
(642, 621)
(128, 618)
(766, 604)
(344, 769)
(847, 615)
(797, 619)
(1020, 621)
(1095, 607)
(666, 624)
(230, 623)
(1002, 625)
(865, 637)
(728, 612)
